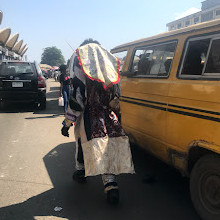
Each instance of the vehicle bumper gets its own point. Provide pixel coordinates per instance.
(22, 96)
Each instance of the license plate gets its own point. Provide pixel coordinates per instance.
(17, 84)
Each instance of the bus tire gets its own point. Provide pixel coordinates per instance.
(205, 187)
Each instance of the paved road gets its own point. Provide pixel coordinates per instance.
(36, 165)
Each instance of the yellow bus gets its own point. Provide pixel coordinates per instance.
(170, 104)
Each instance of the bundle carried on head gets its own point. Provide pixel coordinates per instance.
(99, 64)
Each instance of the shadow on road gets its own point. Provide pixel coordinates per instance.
(167, 198)
(16, 107)
(52, 110)
(55, 88)
(53, 94)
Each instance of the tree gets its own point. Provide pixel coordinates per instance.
(52, 56)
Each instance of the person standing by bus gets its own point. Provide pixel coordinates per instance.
(65, 86)
(102, 147)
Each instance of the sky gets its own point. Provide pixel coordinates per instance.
(60, 23)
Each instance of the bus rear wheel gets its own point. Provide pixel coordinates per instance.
(205, 187)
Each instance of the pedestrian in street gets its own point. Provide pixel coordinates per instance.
(65, 86)
(102, 146)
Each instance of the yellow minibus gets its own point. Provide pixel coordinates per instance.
(170, 104)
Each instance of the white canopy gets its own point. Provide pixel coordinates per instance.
(4, 35)
(17, 46)
(23, 52)
(22, 48)
(11, 41)
(1, 15)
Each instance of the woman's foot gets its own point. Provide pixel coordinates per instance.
(111, 189)
(79, 176)
(113, 196)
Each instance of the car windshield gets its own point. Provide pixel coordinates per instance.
(15, 69)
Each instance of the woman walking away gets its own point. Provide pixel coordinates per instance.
(102, 146)
(65, 86)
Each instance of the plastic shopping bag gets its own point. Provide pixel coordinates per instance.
(61, 101)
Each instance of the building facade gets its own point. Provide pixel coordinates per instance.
(10, 47)
(210, 10)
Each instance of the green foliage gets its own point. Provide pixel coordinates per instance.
(52, 56)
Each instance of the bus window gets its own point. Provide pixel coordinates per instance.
(195, 57)
(213, 63)
(167, 59)
(153, 60)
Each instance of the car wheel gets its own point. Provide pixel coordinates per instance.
(2, 104)
(43, 104)
(35, 105)
(205, 187)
